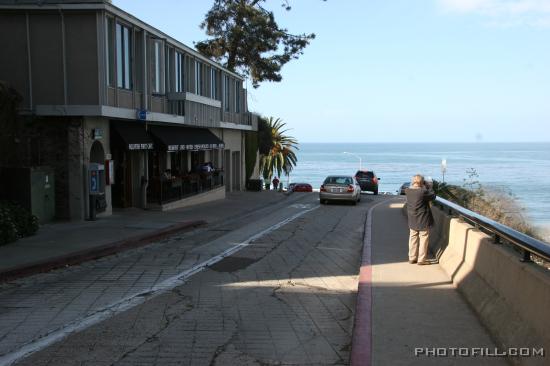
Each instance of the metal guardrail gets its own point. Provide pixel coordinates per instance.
(527, 244)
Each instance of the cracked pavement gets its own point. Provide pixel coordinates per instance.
(288, 298)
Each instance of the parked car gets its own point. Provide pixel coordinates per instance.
(404, 186)
(340, 188)
(302, 187)
(367, 180)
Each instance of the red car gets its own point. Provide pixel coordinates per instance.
(302, 187)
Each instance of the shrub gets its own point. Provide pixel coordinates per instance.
(8, 230)
(496, 205)
(16, 222)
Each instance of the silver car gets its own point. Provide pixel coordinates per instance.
(340, 188)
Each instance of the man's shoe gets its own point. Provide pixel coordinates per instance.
(424, 263)
(412, 261)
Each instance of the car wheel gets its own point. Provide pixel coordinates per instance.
(359, 198)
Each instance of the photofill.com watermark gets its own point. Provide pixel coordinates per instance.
(478, 352)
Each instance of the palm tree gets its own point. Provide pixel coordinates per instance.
(276, 148)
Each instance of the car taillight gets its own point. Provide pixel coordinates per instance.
(350, 188)
(322, 189)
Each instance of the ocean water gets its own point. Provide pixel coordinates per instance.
(521, 169)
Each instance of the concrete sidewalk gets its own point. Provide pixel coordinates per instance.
(60, 244)
(412, 309)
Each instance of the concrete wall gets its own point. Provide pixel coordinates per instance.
(81, 50)
(511, 298)
(234, 142)
(14, 66)
(213, 195)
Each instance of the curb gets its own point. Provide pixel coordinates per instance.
(96, 252)
(361, 338)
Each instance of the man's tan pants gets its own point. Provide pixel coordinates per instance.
(418, 245)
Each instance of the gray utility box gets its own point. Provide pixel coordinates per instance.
(32, 188)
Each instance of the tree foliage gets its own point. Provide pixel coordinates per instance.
(277, 150)
(246, 38)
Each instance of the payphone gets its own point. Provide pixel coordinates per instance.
(96, 184)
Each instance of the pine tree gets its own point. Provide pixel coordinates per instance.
(245, 38)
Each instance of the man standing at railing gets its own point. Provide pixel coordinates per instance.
(419, 214)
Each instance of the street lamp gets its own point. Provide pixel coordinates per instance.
(357, 156)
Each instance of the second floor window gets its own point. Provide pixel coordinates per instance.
(178, 72)
(110, 54)
(198, 78)
(123, 56)
(158, 67)
(213, 84)
(226, 89)
(237, 98)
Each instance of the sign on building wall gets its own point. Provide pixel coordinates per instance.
(97, 133)
(142, 114)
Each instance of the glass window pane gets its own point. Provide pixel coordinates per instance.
(226, 93)
(197, 77)
(213, 83)
(119, 56)
(110, 51)
(157, 68)
(127, 69)
(177, 72)
(237, 97)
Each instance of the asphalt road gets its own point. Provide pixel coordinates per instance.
(278, 287)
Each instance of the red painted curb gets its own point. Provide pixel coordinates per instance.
(361, 344)
(361, 348)
(97, 252)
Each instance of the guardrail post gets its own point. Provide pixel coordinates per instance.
(526, 256)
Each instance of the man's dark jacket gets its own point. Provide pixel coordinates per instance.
(418, 208)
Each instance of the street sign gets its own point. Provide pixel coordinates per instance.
(142, 114)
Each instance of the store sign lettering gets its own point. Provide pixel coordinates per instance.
(147, 146)
(194, 147)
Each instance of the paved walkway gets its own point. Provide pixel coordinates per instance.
(414, 307)
(60, 240)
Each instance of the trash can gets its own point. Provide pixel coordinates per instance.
(92, 216)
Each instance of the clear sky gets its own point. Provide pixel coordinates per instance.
(399, 70)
